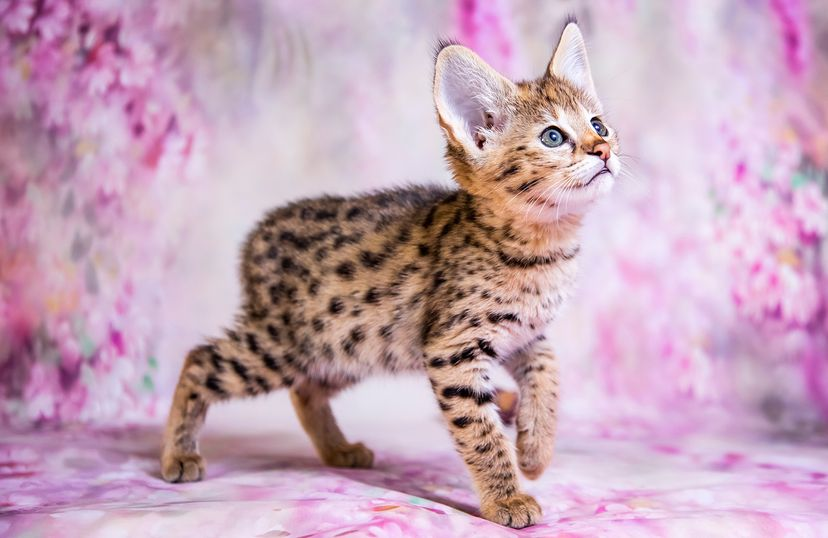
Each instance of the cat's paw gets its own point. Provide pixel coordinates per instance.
(182, 467)
(517, 511)
(356, 456)
(534, 454)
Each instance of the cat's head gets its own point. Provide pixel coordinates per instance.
(541, 149)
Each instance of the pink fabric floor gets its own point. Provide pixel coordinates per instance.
(604, 482)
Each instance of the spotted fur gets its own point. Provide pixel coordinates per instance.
(449, 282)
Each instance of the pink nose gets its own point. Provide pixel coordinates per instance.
(602, 150)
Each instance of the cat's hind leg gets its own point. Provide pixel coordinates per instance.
(243, 364)
(312, 404)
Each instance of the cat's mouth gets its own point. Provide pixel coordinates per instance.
(600, 173)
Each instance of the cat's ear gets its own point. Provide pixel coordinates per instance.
(472, 98)
(570, 60)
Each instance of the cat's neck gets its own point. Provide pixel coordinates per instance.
(519, 234)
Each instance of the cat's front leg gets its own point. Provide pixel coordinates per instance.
(460, 378)
(535, 371)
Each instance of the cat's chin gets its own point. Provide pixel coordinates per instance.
(574, 202)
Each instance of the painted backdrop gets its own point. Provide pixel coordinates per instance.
(140, 140)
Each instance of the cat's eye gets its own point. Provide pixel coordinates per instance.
(552, 137)
(599, 127)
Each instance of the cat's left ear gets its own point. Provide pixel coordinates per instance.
(570, 60)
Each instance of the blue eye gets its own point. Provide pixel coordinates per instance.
(599, 127)
(552, 137)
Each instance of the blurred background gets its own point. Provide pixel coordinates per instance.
(140, 141)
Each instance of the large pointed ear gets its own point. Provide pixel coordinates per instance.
(472, 98)
(570, 60)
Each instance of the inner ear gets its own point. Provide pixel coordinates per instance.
(489, 123)
(472, 99)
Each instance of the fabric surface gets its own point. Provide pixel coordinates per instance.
(620, 480)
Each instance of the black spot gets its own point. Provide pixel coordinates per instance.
(528, 185)
(497, 317)
(346, 270)
(357, 334)
(520, 148)
(273, 332)
(353, 213)
(325, 214)
(405, 235)
(486, 347)
(469, 393)
(318, 325)
(241, 370)
(437, 362)
(372, 296)
(313, 288)
(275, 297)
(466, 354)
(514, 169)
(385, 331)
(444, 406)
(482, 449)
(462, 422)
(270, 362)
(216, 360)
(214, 385)
(346, 240)
(272, 253)
(336, 306)
(287, 264)
(252, 342)
(439, 280)
(423, 249)
(301, 243)
(429, 220)
(193, 396)
(262, 383)
(348, 346)
(533, 261)
(321, 254)
(371, 260)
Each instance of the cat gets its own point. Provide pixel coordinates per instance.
(446, 281)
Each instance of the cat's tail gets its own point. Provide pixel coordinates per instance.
(246, 362)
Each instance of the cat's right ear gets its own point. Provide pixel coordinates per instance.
(472, 98)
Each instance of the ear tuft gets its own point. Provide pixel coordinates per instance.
(472, 99)
(570, 60)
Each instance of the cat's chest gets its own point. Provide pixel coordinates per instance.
(529, 302)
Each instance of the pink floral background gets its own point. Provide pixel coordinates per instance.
(139, 140)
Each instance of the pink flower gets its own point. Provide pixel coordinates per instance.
(53, 22)
(102, 72)
(811, 209)
(18, 17)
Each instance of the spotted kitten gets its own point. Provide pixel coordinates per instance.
(451, 282)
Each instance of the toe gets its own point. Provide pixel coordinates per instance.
(182, 468)
(518, 511)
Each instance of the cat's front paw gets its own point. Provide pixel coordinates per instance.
(517, 511)
(534, 453)
(356, 456)
(182, 467)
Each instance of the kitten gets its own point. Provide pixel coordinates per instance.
(450, 282)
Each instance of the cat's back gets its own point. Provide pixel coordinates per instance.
(296, 249)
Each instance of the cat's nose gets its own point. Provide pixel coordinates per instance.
(602, 150)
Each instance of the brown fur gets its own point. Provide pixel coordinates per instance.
(449, 282)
